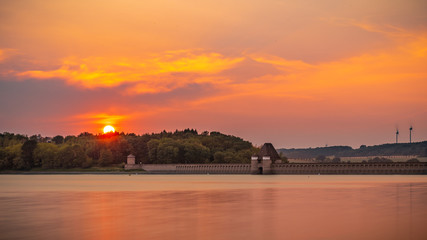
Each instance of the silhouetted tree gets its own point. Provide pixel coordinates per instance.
(321, 158)
(153, 145)
(195, 152)
(27, 154)
(120, 148)
(58, 139)
(79, 156)
(10, 157)
(219, 157)
(70, 139)
(84, 150)
(46, 155)
(36, 137)
(106, 158)
(138, 147)
(66, 156)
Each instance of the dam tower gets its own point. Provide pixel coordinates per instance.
(261, 162)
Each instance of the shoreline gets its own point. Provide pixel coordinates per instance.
(190, 174)
(71, 173)
(240, 169)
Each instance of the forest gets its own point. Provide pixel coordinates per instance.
(394, 149)
(20, 152)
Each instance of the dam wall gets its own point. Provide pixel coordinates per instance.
(231, 168)
(286, 168)
(193, 168)
(350, 168)
(161, 168)
(268, 161)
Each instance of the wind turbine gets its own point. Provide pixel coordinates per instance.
(397, 135)
(410, 134)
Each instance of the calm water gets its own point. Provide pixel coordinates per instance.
(212, 207)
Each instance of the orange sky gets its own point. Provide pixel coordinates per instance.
(294, 73)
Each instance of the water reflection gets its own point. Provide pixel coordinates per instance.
(218, 207)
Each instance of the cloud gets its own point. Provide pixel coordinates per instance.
(2, 55)
(376, 84)
(283, 64)
(102, 118)
(256, 74)
(156, 73)
(97, 120)
(6, 53)
(388, 30)
(378, 78)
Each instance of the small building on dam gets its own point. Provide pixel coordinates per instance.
(268, 161)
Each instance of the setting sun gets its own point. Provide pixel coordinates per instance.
(108, 129)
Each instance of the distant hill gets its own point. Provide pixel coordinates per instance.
(400, 149)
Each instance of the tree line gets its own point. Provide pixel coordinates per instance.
(398, 149)
(19, 152)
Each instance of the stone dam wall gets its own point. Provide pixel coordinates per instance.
(286, 168)
(395, 158)
(350, 168)
(193, 168)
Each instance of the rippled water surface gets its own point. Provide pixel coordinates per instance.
(212, 207)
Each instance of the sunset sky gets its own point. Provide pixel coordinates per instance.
(295, 73)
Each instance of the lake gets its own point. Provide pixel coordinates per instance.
(213, 207)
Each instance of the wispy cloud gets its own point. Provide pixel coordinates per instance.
(384, 29)
(6, 53)
(283, 64)
(157, 73)
(97, 120)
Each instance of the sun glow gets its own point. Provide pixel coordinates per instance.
(108, 129)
